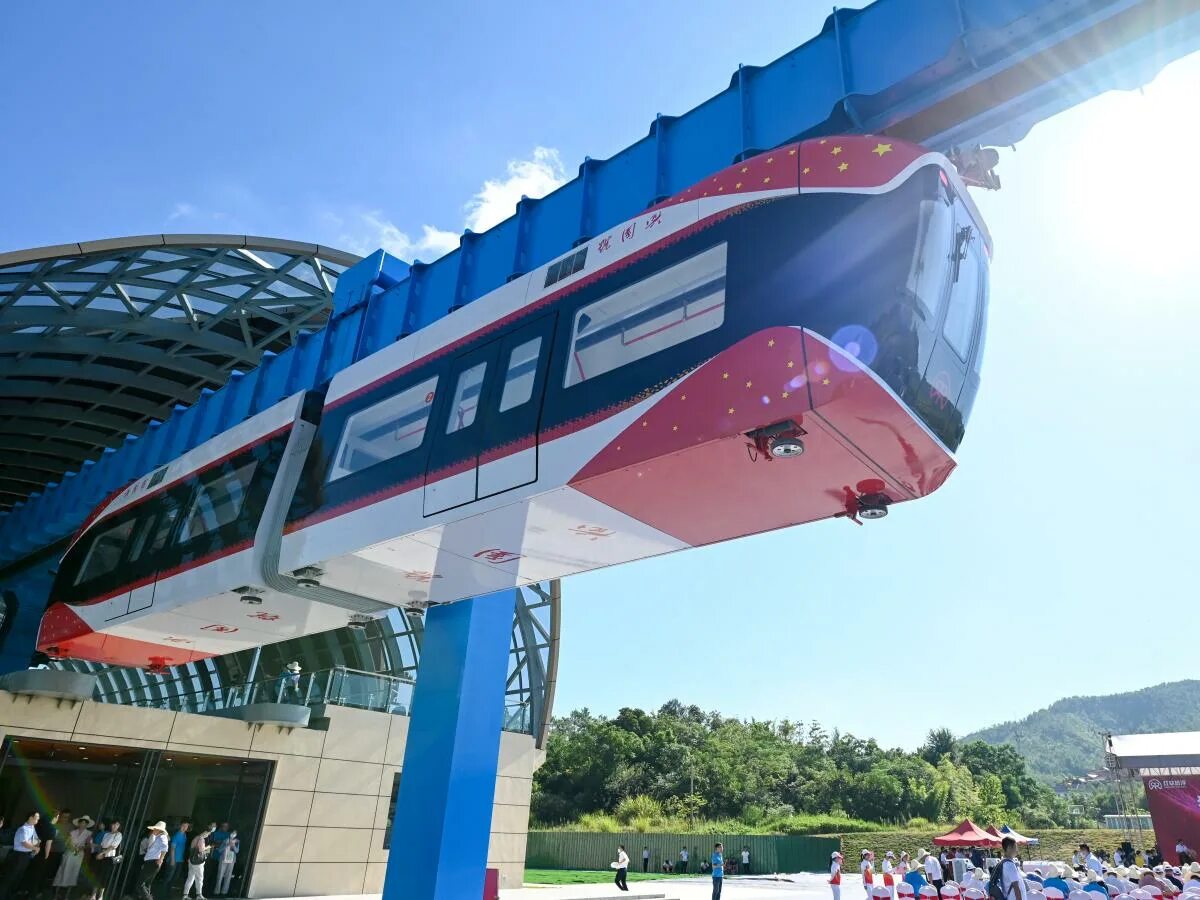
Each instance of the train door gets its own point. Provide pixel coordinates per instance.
(149, 540)
(450, 473)
(508, 457)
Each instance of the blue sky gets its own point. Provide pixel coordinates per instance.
(1057, 560)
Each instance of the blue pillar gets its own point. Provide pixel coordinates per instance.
(444, 810)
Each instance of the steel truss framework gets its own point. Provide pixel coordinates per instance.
(390, 646)
(99, 339)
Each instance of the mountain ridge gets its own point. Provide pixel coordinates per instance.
(1063, 739)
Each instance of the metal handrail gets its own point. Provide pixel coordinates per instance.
(335, 686)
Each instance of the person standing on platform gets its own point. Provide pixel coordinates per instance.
(107, 858)
(179, 842)
(718, 869)
(1008, 874)
(622, 867)
(75, 848)
(889, 879)
(197, 856)
(867, 867)
(645, 859)
(227, 854)
(54, 838)
(215, 840)
(745, 869)
(152, 859)
(25, 847)
(683, 860)
(835, 875)
(933, 870)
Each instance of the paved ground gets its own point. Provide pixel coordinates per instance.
(781, 887)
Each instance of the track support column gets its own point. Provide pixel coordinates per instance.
(444, 809)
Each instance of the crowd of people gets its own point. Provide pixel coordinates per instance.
(45, 860)
(1128, 875)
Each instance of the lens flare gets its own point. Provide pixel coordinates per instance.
(858, 343)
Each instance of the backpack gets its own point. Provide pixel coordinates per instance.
(198, 856)
(995, 886)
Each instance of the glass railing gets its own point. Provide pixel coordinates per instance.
(338, 686)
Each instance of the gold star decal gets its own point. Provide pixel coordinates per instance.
(738, 186)
(674, 427)
(806, 170)
(882, 149)
(835, 151)
(731, 410)
(749, 384)
(644, 423)
(790, 364)
(822, 142)
(745, 169)
(824, 381)
(767, 180)
(705, 194)
(786, 395)
(618, 446)
(721, 188)
(771, 342)
(770, 159)
(725, 376)
(843, 167)
(683, 397)
(792, 152)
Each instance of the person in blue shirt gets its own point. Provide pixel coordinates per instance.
(718, 870)
(179, 842)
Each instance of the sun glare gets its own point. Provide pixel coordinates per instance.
(1133, 178)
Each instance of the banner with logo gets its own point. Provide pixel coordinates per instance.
(1175, 811)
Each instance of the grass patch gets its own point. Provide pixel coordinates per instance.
(583, 876)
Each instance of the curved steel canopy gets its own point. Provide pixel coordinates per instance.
(100, 338)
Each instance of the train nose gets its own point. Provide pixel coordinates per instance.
(60, 625)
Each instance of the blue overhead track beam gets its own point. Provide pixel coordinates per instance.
(944, 73)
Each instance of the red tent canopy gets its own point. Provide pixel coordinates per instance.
(995, 832)
(967, 834)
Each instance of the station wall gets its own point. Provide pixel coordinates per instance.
(327, 808)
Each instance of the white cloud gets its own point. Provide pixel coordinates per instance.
(181, 211)
(378, 232)
(494, 202)
(497, 200)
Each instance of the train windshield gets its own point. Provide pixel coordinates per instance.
(931, 262)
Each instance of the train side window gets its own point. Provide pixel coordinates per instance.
(218, 503)
(384, 431)
(964, 301)
(521, 374)
(466, 398)
(668, 308)
(105, 552)
(153, 535)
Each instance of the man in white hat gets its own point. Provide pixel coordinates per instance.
(153, 859)
(291, 682)
(835, 875)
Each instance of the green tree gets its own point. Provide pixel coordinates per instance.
(938, 743)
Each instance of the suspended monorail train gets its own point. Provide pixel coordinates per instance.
(795, 338)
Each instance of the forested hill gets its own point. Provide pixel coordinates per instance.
(1062, 739)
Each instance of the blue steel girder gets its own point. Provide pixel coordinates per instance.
(945, 73)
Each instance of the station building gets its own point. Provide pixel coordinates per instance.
(98, 343)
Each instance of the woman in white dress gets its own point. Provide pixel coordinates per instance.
(78, 843)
